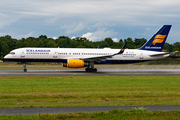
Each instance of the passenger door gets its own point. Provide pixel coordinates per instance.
(141, 56)
(55, 54)
(23, 53)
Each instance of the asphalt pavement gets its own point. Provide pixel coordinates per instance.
(99, 72)
(31, 111)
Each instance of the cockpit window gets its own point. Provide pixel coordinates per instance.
(12, 53)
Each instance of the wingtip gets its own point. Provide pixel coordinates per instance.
(122, 49)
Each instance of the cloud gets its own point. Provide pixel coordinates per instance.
(30, 34)
(6, 22)
(175, 36)
(87, 35)
(146, 32)
(73, 28)
(115, 40)
(114, 10)
(4, 34)
(73, 37)
(75, 18)
(99, 35)
(3, 15)
(51, 20)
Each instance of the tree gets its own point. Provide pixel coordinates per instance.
(104, 44)
(51, 44)
(43, 37)
(130, 43)
(4, 48)
(176, 46)
(80, 46)
(120, 40)
(40, 43)
(73, 43)
(168, 47)
(139, 42)
(109, 41)
(63, 42)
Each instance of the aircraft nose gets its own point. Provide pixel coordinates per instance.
(6, 57)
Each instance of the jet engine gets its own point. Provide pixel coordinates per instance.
(75, 63)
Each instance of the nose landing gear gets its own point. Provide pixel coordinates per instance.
(25, 70)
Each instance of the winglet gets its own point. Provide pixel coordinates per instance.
(122, 50)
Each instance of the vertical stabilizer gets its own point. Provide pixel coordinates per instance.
(156, 43)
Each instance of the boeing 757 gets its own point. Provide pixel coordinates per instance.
(82, 57)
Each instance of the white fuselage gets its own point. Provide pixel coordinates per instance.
(63, 54)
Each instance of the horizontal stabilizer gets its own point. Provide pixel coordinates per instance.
(160, 54)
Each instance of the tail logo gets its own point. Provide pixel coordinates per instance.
(158, 39)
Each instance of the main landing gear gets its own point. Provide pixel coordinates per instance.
(25, 70)
(92, 69)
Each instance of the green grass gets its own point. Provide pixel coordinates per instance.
(57, 91)
(111, 115)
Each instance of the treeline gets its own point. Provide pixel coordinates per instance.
(7, 43)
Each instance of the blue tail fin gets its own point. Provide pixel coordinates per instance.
(156, 43)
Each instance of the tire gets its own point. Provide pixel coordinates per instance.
(94, 70)
(90, 69)
(25, 70)
(87, 69)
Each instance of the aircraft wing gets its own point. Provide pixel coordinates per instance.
(159, 54)
(99, 58)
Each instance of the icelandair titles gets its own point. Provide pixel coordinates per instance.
(147, 47)
(29, 50)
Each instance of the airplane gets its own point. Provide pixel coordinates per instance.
(83, 57)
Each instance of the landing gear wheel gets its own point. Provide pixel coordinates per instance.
(87, 69)
(25, 70)
(91, 70)
(94, 70)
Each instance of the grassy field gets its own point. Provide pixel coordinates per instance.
(58, 91)
(111, 115)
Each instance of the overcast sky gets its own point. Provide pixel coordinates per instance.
(93, 19)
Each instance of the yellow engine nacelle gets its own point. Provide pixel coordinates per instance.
(74, 63)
